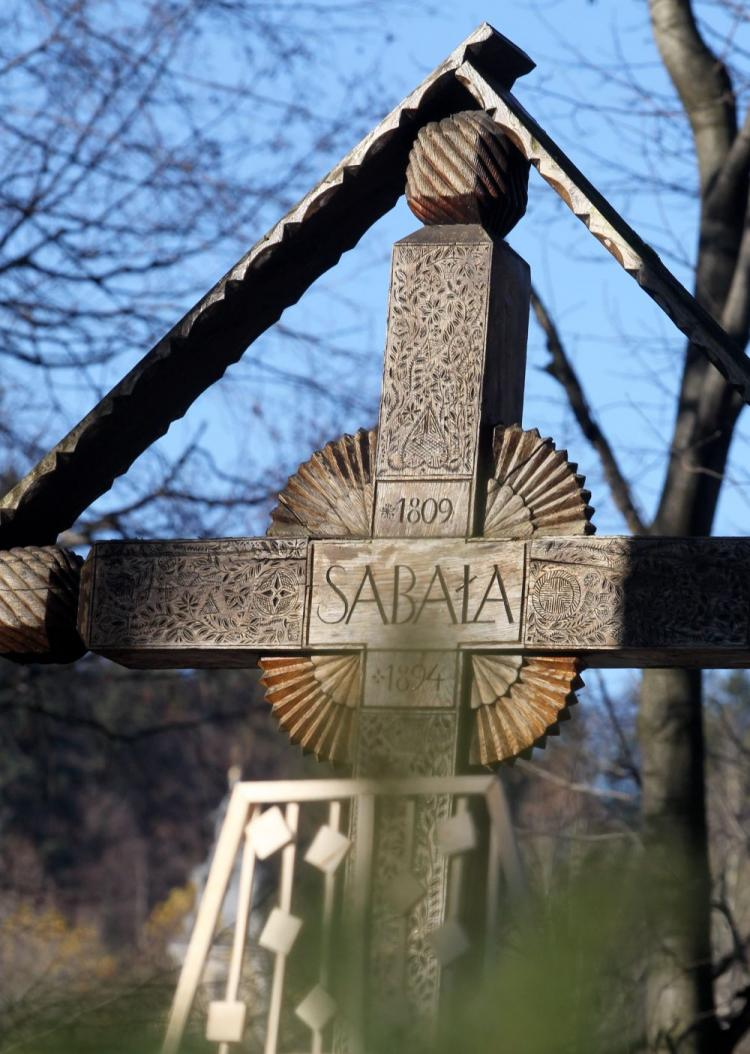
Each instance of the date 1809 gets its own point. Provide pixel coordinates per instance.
(424, 510)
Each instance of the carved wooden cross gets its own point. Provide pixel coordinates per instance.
(428, 592)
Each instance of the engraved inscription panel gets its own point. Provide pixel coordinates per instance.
(422, 508)
(410, 679)
(434, 357)
(226, 593)
(415, 594)
(639, 593)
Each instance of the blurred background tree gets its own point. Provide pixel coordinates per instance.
(704, 107)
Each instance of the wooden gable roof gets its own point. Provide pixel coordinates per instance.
(309, 240)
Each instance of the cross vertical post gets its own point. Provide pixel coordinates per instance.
(454, 369)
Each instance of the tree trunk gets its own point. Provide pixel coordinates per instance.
(679, 996)
(681, 1013)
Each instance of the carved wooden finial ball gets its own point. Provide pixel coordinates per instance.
(465, 170)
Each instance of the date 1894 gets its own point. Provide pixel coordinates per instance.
(414, 679)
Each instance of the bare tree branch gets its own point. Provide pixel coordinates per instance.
(734, 171)
(92, 725)
(630, 763)
(736, 316)
(574, 785)
(561, 368)
(739, 1025)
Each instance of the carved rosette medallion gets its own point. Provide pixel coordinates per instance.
(314, 699)
(534, 489)
(517, 702)
(587, 600)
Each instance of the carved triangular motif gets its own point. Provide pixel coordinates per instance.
(426, 445)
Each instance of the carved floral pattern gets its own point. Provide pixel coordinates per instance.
(392, 848)
(436, 335)
(422, 967)
(408, 744)
(650, 593)
(241, 593)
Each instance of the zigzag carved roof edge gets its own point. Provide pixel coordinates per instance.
(277, 271)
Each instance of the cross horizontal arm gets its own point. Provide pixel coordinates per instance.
(183, 604)
(625, 602)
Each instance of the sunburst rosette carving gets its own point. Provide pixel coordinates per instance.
(534, 489)
(518, 701)
(331, 495)
(314, 699)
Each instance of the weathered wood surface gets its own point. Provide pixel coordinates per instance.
(611, 601)
(331, 495)
(185, 603)
(641, 601)
(416, 680)
(464, 170)
(38, 602)
(439, 593)
(243, 304)
(454, 367)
